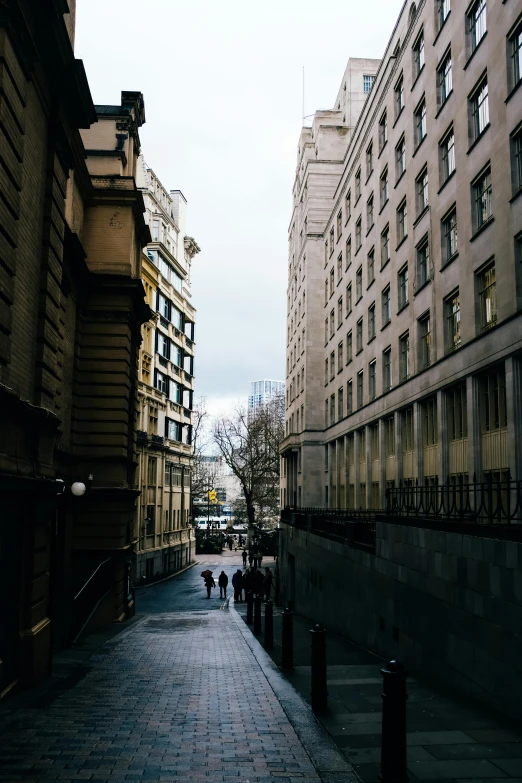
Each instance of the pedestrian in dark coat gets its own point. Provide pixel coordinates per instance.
(259, 559)
(237, 584)
(258, 582)
(244, 556)
(223, 582)
(267, 584)
(209, 584)
(250, 558)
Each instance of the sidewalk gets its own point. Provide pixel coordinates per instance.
(450, 738)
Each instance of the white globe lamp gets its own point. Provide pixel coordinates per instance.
(78, 489)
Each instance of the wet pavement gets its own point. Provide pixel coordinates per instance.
(184, 692)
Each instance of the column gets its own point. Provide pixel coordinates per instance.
(474, 441)
(369, 478)
(442, 438)
(418, 456)
(356, 449)
(398, 447)
(514, 416)
(382, 465)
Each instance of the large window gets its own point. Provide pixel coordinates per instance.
(402, 226)
(161, 383)
(348, 299)
(404, 357)
(360, 389)
(163, 346)
(357, 185)
(349, 347)
(399, 96)
(422, 190)
(429, 429)
(371, 322)
(383, 131)
(340, 359)
(443, 9)
(339, 224)
(425, 341)
(418, 55)
(402, 285)
(348, 251)
(482, 199)
(493, 401)
(340, 403)
(339, 311)
(386, 370)
(386, 306)
(359, 335)
(457, 412)
(449, 235)
(488, 297)
(349, 397)
(332, 409)
(479, 107)
(348, 202)
(358, 284)
(152, 471)
(516, 159)
(447, 155)
(420, 122)
(164, 306)
(444, 79)
(371, 266)
(173, 430)
(368, 81)
(407, 430)
(369, 159)
(452, 308)
(385, 246)
(477, 23)
(383, 188)
(372, 371)
(423, 263)
(400, 158)
(515, 56)
(358, 234)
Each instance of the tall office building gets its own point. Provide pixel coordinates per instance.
(262, 392)
(404, 325)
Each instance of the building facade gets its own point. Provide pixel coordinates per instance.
(262, 392)
(404, 326)
(165, 538)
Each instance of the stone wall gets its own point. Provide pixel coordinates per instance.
(448, 605)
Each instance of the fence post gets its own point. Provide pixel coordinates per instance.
(250, 606)
(319, 678)
(269, 624)
(257, 614)
(287, 640)
(393, 741)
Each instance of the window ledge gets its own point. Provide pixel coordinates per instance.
(441, 28)
(385, 263)
(419, 145)
(403, 240)
(384, 205)
(358, 300)
(397, 118)
(472, 55)
(382, 149)
(371, 340)
(348, 362)
(417, 77)
(359, 351)
(370, 284)
(450, 260)
(368, 178)
(445, 103)
(357, 250)
(348, 314)
(402, 175)
(403, 307)
(357, 200)
(482, 228)
(513, 91)
(419, 288)
(388, 322)
(474, 144)
(446, 181)
(515, 195)
(372, 225)
(419, 218)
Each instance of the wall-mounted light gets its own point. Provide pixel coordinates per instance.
(78, 489)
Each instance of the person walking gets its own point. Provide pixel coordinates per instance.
(267, 584)
(259, 559)
(223, 582)
(258, 582)
(244, 556)
(237, 584)
(230, 542)
(250, 558)
(209, 583)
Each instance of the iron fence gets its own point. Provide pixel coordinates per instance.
(356, 528)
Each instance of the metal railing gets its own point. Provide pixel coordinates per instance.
(355, 527)
(91, 594)
(480, 502)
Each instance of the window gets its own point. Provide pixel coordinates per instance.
(332, 365)
(487, 297)
(447, 151)
(348, 205)
(457, 413)
(161, 382)
(423, 263)
(332, 409)
(371, 322)
(516, 159)
(326, 423)
(163, 346)
(384, 187)
(420, 122)
(359, 335)
(399, 96)
(349, 347)
(400, 158)
(372, 370)
(386, 306)
(340, 403)
(407, 430)
(368, 82)
(371, 266)
(357, 185)
(326, 291)
(422, 190)
(325, 333)
(449, 235)
(402, 228)
(150, 520)
(443, 9)
(452, 306)
(339, 311)
(360, 389)
(402, 280)
(515, 56)
(332, 323)
(339, 224)
(493, 401)
(385, 246)
(340, 361)
(332, 281)
(418, 55)
(444, 77)
(358, 234)
(369, 160)
(349, 397)
(383, 131)
(152, 471)
(348, 299)
(339, 267)
(326, 377)
(425, 341)
(479, 110)
(369, 212)
(348, 252)
(429, 429)
(386, 370)
(477, 23)
(389, 436)
(326, 252)
(173, 430)
(358, 284)
(164, 306)
(404, 357)
(482, 199)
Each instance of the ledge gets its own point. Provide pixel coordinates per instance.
(403, 307)
(472, 55)
(441, 28)
(385, 263)
(372, 225)
(441, 108)
(403, 240)
(482, 228)
(419, 145)
(515, 195)
(384, 205)
(384, 326)
(450, 260)
(419, 218)
(419, 74)
(474, 144)
(382, 149)
(419, 288)
(513, 91)
(446, 181)
(402, 175)
(397, 118)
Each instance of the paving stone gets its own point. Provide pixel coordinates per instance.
(431, 770)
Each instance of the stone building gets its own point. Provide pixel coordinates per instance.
(404, 325)
(165, 539)
(72, 305)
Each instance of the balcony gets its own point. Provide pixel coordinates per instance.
(141, 438)
(157, 441)
(354, 528)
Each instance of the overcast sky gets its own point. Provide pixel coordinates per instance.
(222, 83)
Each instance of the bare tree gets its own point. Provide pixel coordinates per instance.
(249, 444)
(202, 477)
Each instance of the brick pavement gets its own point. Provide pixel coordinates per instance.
(183, 694)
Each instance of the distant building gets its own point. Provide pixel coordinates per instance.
(261, 392)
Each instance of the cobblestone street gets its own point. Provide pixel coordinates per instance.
(184, 693)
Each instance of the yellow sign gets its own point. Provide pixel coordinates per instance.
(212, 496)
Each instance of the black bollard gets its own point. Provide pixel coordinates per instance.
(269, 624)
(287, 640)
(257, 614)
(250, 607)
(393, 741)
(319, 679)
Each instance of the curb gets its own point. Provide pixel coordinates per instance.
(166, 578)
(329, 763)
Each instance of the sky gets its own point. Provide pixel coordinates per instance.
(222, 83)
